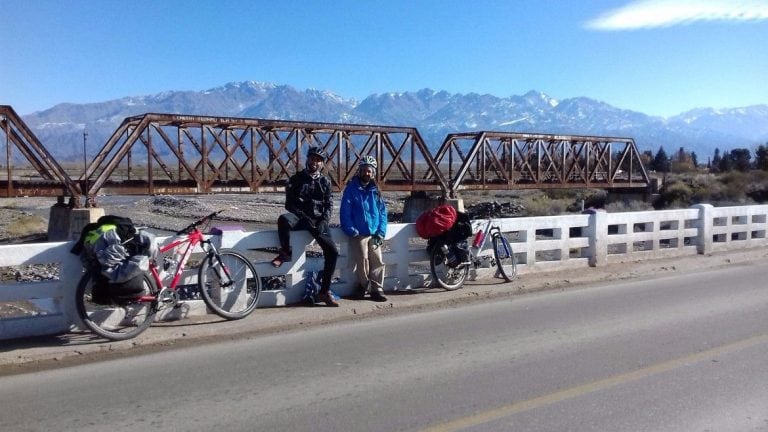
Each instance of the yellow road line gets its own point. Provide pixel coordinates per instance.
(591, 387)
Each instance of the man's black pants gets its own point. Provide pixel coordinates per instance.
(288, 222)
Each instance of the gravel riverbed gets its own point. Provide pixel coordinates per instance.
(251, 211)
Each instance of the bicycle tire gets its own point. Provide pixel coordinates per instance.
(449, 278)
(228, 300)
(505, 257)
(115, 320)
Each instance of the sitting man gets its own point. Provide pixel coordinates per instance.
(309, 203)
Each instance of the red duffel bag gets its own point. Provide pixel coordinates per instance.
(436, 221)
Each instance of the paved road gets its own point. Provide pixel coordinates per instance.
(678, 353)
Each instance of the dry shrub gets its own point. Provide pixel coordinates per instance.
(736, 185)
(677, 194)
(730, 188)
(542, 205)
(628, 206)
(561, 201)
(26, 224)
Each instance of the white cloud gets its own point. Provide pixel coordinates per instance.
(643, 14)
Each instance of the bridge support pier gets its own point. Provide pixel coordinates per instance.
(418, 202)
(66, 223)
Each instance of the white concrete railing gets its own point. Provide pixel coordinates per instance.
(540, 243)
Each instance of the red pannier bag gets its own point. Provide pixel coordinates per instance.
(436, 221)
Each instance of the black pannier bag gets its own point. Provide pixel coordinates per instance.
(105, 292)
(455, 238)
(114, 250)
(462, 229)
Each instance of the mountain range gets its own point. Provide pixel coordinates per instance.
(434, 113)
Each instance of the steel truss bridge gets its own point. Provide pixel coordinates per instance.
(183, 154)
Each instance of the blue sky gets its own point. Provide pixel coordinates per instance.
(659, 57)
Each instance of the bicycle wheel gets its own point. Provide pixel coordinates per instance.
(229, 284)
(505, 257)
(115, 320)
(450, 278)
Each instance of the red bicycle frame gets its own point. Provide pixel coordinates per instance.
(193, 238)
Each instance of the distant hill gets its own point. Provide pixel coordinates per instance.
(434, 113)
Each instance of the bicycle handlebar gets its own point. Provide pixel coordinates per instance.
(199, 222)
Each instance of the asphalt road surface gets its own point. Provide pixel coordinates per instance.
(684, 352)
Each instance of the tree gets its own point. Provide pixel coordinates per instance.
(741, 158)
(661, 161)
(694, 160)
(647, 158)
(761, 157)
(682, 162)
(716, 161)
(726, 163)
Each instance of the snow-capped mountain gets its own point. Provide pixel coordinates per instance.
(434, 113)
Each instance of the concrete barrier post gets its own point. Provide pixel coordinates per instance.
(80, 218)
(597, 232)
(705, 222)
(59, 221)
(400, 244)
(294, 277)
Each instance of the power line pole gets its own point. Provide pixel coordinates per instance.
(85, 169)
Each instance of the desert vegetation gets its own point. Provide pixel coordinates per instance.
(727, 178)
(732, 177)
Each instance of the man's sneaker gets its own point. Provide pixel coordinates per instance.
(327, 298)
(378, 296)
(358, 293)
(281, 258)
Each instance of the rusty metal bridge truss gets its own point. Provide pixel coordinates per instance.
(220, 154)
(42, 175)
(182, 154)
(508, 160)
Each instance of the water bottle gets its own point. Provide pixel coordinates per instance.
(167, 269)
(478, 240)
(169, 264)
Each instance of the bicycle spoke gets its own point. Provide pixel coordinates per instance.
(229, 284)
(115, 319)
(450, 278)
(505, 257)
